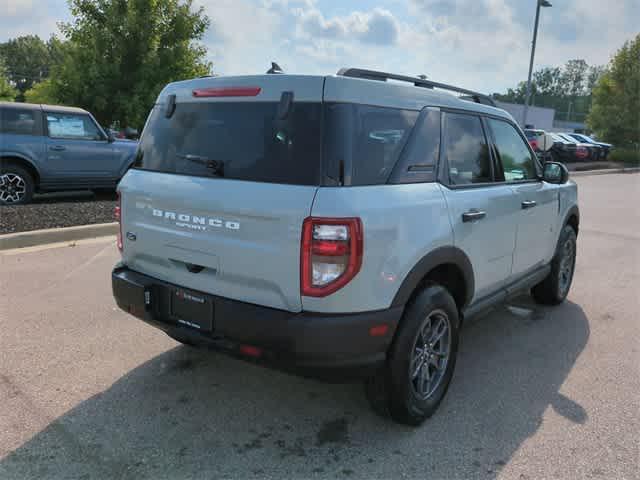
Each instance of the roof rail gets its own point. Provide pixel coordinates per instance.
(418, 82)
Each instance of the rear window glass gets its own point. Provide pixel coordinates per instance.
(364, 141)
(13, 120)
(239, 140)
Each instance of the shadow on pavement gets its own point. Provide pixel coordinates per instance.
(195, 414)
(74, 196)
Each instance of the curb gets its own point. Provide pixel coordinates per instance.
(604, 171)
(54, 235)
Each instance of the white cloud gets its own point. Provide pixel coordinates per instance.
(480, 44)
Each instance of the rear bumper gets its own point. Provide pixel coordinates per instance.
(319, 344)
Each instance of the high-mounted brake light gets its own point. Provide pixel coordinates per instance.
(227, 92)
(117, 213)
(330, 254)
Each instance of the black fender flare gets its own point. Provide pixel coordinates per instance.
(573, 211)
(11, 157)
(435, 258)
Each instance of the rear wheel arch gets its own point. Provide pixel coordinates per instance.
(24, 163)
(447, 266)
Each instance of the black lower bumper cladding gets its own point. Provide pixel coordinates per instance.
(309, 342)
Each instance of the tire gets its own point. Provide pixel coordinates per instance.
(555, 287)
(396, 391)
(16, 185)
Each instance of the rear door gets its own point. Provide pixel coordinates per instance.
(482, 210)
(226, 172)
(537, 200)
(77, 149)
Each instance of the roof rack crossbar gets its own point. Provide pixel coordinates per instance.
(417, 81)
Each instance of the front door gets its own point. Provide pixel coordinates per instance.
(537, 200)
(483, 211)
(77, 150)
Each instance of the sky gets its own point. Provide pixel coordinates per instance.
(477, 44)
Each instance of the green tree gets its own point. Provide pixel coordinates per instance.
(28, 60)
(42, 92)
(120, 54)
(7, 92)
(615, 114)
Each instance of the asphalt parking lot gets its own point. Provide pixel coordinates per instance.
(87, 392)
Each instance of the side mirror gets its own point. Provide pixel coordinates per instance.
(554, 172)
(546, 142)
(110, 138)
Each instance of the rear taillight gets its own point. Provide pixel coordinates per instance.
(582, 152)
(117, 213)
(331, 254)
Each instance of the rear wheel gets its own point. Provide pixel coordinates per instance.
(16, 185)
(555, 287)
(421, 360)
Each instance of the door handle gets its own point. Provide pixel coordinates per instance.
(57, 148)
(528, 204)
(473, 215)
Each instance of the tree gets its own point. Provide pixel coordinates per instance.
(28, 60)
(42, 92)
(574, 78)
(615, 115)
(119, 55)
(7, 92)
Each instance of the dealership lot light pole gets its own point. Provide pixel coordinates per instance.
(541, 3)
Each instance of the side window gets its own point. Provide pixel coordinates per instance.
(17, 121)
(513, 154)
(465, 150)
(72, 126)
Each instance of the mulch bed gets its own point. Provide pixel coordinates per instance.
(59, 210)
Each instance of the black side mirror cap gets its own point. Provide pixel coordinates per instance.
(555, 172)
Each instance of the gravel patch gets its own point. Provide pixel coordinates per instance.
(56, 210)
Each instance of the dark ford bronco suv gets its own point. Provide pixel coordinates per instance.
(46, 148)
(338, 224)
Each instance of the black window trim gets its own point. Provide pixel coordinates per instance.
(494, 148)
(443, 164)
(45, 126)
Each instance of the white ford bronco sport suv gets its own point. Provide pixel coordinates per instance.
(338, 224)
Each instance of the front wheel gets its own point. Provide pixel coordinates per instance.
(421, 360)
(555, 287)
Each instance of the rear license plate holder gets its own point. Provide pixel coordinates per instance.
(192, 309)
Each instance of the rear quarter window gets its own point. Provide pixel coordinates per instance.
(18, 121)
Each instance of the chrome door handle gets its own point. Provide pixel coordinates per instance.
(57, 148)
(528, 204)
(473, 215)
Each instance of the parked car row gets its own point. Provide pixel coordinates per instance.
(570, 147)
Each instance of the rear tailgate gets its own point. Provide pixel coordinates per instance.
(230, 228)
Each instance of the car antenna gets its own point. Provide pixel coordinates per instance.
(275, 68)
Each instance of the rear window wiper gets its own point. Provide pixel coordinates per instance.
(216, 167)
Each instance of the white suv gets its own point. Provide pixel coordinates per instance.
(338, 224)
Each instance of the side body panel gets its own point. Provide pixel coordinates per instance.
(490, 241)
(401, 224)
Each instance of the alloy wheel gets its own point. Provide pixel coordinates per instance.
(13, 188)
(430, 354)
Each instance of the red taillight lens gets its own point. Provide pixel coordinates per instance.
(227, 92)
(331, 254)
(582, 152)
(117, 213)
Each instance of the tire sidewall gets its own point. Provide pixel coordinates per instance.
(28, 180)
(404, 397)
